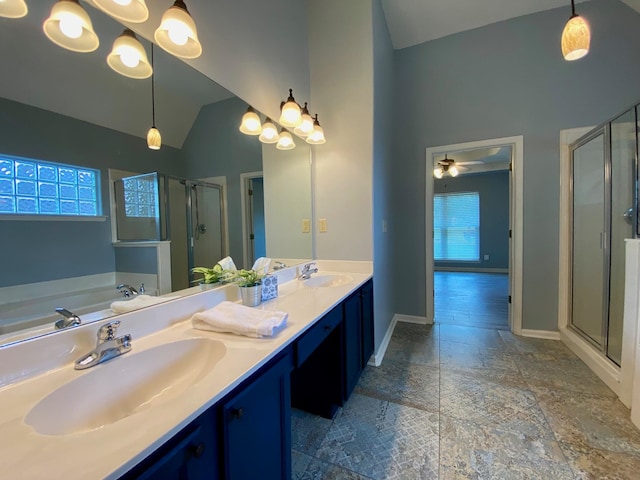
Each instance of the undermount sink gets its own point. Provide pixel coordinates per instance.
(327, 280)
(125, 386)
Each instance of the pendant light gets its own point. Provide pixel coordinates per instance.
(290, 114)
(154, 139)
(269, 132)
(128, 57)
(134, 11)
(13, 8)
(177, 32)
(285, 141)
(69, 26)
(306, 125)
(316, 137)
(438, 172)
(575, 36)
(250, 124)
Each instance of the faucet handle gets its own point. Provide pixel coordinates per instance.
(108, 331)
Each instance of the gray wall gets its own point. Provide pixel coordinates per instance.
(137, 260)
(382, 167)
(506, 79)
(215, 147)
(51, 250)
(493, 189)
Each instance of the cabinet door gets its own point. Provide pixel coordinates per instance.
(257, 426)
(352, 342)
(367, 323)
(191, 455)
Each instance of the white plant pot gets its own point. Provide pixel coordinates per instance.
(251, 296)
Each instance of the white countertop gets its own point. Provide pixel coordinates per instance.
(112, 450)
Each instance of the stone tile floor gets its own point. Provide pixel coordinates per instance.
(461, 402)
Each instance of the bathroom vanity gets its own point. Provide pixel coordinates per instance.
(219, 405)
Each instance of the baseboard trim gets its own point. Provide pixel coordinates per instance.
(544, 334)
(412, 319)
(602, 367)
(376, 358)
(471, 269)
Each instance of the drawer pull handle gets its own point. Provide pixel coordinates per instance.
(197, 450)
(237, 413)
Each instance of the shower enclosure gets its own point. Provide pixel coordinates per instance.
(604, 213)
(190, 214)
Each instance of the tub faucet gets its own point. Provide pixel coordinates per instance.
(69, 319)
(307, 270)
(279, 265)
(109, 346)
(128, 290)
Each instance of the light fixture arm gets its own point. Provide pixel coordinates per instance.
(573, 9)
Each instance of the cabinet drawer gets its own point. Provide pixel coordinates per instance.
(317, 334)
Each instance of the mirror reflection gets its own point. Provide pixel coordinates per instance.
(70, 116)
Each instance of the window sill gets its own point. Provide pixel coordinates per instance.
(52, 218)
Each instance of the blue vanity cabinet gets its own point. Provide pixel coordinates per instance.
(256, 426)
(368, 326)
(192, 454)
(358, 335)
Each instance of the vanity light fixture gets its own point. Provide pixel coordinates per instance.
(250, 124)
(290, 113)
(269, 132)
(306, 125)
(177, 32)
(128, 57)
(285, 141)
(69, 26)
(13, 8)
(316, 137)
(134, 11)
(575, 36)
(154, 139)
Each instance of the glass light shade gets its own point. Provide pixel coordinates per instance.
(128, 57)
(13, 8)
(134, 11)
(291, 116)
(69, 26)
(306, 126)
(438, 172)
(177, 32)
(269, 132)
(576, 38)
(285, 141)
(154, 139)
(251, 123)
(453, 171)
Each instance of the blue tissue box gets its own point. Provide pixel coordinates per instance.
(269, 287)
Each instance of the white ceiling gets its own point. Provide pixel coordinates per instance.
(412, 22)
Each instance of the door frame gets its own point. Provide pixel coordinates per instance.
(515, 222)
(244, 206)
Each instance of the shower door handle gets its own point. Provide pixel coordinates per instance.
(628, 215)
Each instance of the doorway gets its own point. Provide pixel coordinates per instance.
(453, 241)
(253, 220)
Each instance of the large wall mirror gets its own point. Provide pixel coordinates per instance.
(70, 108)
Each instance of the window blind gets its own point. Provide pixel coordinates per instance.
(456, 224)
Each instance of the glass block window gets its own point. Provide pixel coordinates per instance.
(34, 187)
(456, 226)
(141, 196)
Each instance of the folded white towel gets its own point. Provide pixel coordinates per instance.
(227, 264)
(235, 318)
(137, 302)
(261, 265)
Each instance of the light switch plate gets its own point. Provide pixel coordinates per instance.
(306, 225)
(322, 225)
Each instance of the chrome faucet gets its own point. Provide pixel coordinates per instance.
(108, 347)
(307, 270)
(128, 290)
(69, 319)
(279, 265)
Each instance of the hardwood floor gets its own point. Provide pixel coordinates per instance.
(472, 299)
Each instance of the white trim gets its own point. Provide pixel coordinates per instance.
(243, 206)
(471, 270)
(601, 366)
(412, 319)
(630, 322)
(378, 355)
(544, 334)
(516, 222)
(567, 137)
(63, 286)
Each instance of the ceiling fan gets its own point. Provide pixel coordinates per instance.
(448, 166)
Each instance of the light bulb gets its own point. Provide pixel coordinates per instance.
(453, 171)
(71, 25)
(122, 3)
(437, 172)
(178, 32)
(129, 56)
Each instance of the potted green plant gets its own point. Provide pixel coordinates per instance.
(250, 284)
(210, 276)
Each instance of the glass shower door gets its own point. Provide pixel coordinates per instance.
(589, 268)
